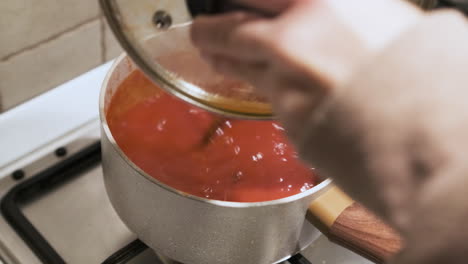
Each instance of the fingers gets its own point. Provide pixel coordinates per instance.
(253, 73)
(237, 35)
(294, 101)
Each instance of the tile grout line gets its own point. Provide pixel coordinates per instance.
(51, 38)
(103, 38)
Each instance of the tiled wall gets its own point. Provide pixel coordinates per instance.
(45, 43)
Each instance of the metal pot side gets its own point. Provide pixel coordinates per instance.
(194, 230)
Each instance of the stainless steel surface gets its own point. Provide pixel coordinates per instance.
(196, 230)
(69, 221)
(322, 251)
(12, 247)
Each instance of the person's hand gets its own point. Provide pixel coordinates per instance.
(306, 53)
(392, 136)
(303, 58)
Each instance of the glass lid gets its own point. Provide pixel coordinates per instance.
(156, 35)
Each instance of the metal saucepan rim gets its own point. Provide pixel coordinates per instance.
(316, 189)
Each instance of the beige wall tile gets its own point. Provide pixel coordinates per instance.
(35, 71)
(24, 23)
(112, 47)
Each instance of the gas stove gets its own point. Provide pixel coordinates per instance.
(54, 207)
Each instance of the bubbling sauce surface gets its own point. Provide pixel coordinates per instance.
(243, 160)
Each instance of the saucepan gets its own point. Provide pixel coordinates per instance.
(191, 229)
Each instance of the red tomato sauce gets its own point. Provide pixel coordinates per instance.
(242, 161)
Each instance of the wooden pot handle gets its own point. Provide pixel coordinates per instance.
(352, 226)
